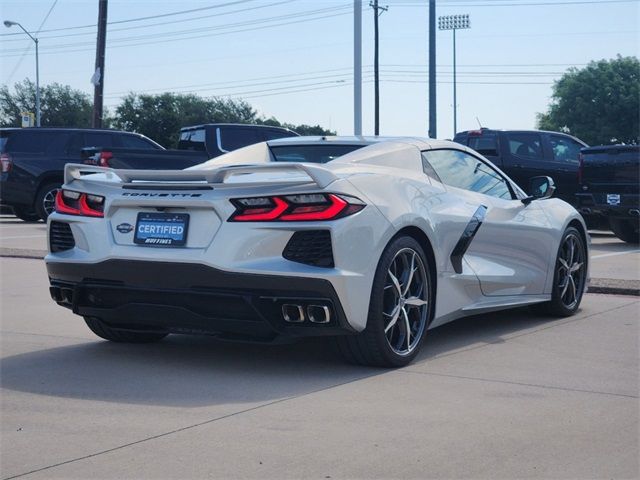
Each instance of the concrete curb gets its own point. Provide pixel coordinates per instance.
(609, 286)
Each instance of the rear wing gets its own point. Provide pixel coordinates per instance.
(319, 175)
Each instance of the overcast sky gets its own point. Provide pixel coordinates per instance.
(292, 59)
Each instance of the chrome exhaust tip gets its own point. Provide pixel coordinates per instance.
(292, 313)
(319, 314)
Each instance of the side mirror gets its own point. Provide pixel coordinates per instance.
(539, 188)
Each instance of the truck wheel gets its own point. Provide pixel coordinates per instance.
(26, 214)
(625, 229)
(46, 199)
(103, 330)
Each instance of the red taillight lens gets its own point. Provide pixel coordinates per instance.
(295, 208)
(104, 159)
(6, 161)
(76, 203)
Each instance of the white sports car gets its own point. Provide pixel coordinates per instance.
(371, 240)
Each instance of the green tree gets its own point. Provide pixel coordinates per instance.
(161, 116)
(299, 129)
(599, 104)
(60, 105)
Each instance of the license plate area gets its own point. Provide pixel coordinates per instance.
(160, 229)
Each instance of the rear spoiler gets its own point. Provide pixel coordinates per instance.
(319, 175)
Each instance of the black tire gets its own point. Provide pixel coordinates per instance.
(102, 330)
(44, 205)
(26, 214)
(560, 306)
(372, 346)
(625, 229)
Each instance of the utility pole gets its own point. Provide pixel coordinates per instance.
(98, 76)
(376, 67)
(357, 67)
(432, 70)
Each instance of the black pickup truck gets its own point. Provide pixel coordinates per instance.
(197, 144)
(523, 154)
(33, 161)
(609, 191)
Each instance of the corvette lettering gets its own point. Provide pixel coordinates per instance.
(163, 195)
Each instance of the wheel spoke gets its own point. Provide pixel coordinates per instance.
(575, 267)
(395, 283)
(415, 302)
(564, 287)
(394, 318)
(412, 270)
(574, 294)
(407, 328)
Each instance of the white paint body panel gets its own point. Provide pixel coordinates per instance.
(509, 263)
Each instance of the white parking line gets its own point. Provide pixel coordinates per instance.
(22, 236)
(614, 254)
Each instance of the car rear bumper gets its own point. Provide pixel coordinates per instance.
(194, 298)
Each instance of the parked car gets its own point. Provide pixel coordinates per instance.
(523, 154)
(609, 191)
(33, 161)
(197, 144)
(373, 243)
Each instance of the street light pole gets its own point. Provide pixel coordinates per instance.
(454, 22)
(9, 24)
(357, 67)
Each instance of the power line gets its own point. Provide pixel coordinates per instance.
(529, 4)
(26, 50)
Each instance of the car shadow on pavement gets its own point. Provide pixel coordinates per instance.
(191, 371)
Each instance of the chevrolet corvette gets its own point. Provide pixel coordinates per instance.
(373, 241)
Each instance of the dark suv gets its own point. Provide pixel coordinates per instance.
(33, 161)
(523, 154)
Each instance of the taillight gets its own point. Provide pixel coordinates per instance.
(295, 208)
(104, 158)
(76, 203)
(6, 161)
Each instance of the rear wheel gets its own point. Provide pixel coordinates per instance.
(399, 309)
(26, 213)
(46, 199)
(625, 230)
(570, 275)
(103, 330)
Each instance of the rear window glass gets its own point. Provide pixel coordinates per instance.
(273, 134)
(131, 141)
(485, 144)
(311, 153)
(31, 142)
(192, 140)
(234, 138)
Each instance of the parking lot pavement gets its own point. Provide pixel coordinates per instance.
(495, 396)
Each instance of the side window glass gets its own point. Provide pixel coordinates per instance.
(527, 145)
(98, 140)
(486, 144)
(461, 170)
(564, 149)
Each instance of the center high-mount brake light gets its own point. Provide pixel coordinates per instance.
(76, 203)
(295, 208)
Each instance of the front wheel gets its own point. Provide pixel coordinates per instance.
(399, 309)
(570, 277)
(103, 330)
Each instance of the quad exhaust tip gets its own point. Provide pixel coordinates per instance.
(296, 313)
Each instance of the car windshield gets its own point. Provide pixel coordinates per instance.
(311, 153)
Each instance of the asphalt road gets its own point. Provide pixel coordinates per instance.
(507, 395)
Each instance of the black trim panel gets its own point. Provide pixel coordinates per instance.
(467, 236)
(192, 298)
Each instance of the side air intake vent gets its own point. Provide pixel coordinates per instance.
(311, 247)
(60, 237)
